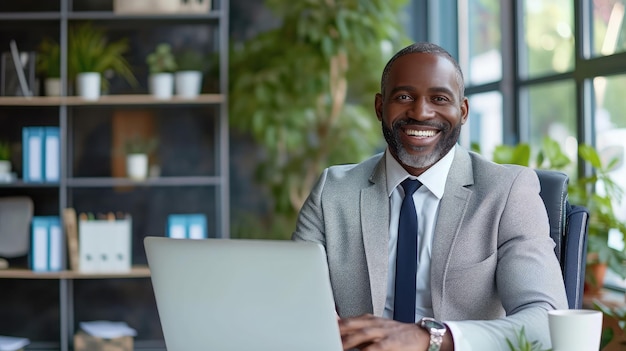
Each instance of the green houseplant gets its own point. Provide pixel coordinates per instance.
(162, 59)
(595, 192)
(523, 344)
(303, 91)
(49, 66)
(5, 157)
(191, 60)
(162, 65)
(188, 76)
(138, 149)
(90, 54)
(618, 313)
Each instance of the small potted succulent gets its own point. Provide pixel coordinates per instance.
(162, 65)
(138, 149)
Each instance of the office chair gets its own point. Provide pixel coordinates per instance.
(568, 228)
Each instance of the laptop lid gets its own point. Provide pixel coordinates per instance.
(235, 294)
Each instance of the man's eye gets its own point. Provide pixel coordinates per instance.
(440, 98)
(404, 97)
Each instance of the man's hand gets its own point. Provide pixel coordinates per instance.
(370, 333)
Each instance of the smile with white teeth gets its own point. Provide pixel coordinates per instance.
(421, 133)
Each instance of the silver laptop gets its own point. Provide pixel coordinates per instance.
(242, 295)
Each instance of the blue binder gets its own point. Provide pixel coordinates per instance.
(196, 226)
(39, 245)
(187, 226)
(33, 154)
(55, 244)
(177, 226)
(46, 251)
(52, 154)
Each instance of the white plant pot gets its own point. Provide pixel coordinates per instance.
(137, 166)
(88, 84)
(52, 86)
(161, 85)
(5, 167)
(188, 84)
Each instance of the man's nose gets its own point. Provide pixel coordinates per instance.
(422, 109)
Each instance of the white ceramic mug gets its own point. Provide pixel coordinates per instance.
(575, 330)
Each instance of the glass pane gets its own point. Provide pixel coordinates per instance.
(484, 126)
(548, 43)
(609, 32)
(551, 113)
(482, 35)
(610, 124)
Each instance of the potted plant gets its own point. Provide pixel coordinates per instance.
(49, 66)
(5, 157)
(90, 54)
(615, 312)
(523, 344)
(188, 77)
(598, 192)
(138, 149)
(162, 65)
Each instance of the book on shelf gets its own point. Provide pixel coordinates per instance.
(71, 233)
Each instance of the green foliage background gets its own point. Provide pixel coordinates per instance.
(304, 91)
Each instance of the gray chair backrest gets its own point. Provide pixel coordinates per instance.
(568, 228)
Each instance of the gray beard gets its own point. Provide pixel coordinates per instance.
(392, 136)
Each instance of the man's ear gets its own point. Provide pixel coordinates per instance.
(378, 106)
(464, 110)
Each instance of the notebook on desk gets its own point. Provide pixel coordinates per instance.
(234, 294)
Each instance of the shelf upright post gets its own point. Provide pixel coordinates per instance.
(224, 188)
(66, 298)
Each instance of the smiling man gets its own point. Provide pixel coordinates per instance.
(461, 261)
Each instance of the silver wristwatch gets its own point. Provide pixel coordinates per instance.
(436, 330)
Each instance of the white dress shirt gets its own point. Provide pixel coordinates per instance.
(426, 199)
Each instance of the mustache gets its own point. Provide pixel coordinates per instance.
(411, 122)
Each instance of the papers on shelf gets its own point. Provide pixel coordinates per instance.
(107, 329)
(10, 343)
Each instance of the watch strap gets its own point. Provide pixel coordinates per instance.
(436, 330)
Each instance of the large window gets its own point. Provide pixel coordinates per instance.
(544, 68)
(548, 33)
(609, 30)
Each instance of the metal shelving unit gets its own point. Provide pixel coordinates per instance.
(69, 110)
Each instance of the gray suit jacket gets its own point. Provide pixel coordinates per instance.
(492, 255)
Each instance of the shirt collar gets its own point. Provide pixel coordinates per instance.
(433, 178)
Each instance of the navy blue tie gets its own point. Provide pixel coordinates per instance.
(406, 256)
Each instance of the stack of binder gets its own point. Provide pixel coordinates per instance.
(187, 226)
(46, 244)
(41, 154)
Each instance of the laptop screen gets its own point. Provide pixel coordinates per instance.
(235, 294)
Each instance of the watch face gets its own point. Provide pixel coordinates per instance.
(430, 323)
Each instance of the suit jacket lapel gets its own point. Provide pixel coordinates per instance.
(452, 209)
(375, 226)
